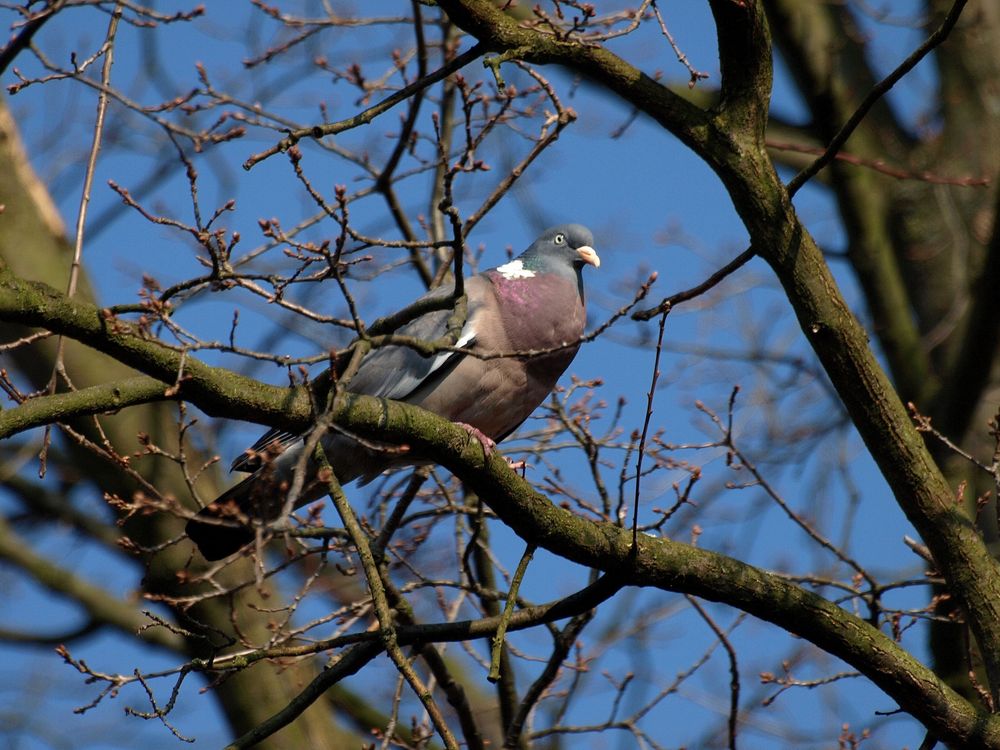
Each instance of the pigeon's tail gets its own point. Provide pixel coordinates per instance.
(221, 527)
(216, 529)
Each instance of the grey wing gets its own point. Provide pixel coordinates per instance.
(274, 440)
(389, 372)
(396, 372)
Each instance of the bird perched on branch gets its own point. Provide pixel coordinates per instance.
(531, 309)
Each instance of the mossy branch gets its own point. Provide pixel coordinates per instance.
(730, 140)
(659, 563)
(98, 399)
(220, 392)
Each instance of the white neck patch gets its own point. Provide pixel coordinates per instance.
(515, 270)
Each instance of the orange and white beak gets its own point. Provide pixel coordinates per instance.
(589, 256)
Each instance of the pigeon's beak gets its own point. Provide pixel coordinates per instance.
(589, 256)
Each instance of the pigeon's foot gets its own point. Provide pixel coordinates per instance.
(488, 445)
(516, 465)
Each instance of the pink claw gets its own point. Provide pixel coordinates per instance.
(488, 445)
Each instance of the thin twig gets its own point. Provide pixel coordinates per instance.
(877, 92)
(880, 166)
(734, 672)
(58, 368)
(383, 613)
(695, 74)
(688, 294)
(645, 431)
(508, 610)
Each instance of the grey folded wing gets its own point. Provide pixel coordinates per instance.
(394, 371)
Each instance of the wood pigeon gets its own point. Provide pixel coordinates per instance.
(534, 302)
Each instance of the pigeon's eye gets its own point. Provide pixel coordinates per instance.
(559, 239)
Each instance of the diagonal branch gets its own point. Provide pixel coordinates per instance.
(224, 393)
(731, 141)
(97, 399)
(696, 291)
(499, 32)
(883, 86)
(655, 562)
(673, 566)
(349, 663)
(23, 39)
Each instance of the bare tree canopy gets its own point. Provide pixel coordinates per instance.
(757, 510)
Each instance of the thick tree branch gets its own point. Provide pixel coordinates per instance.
(738, 155)
(677, 567)
(812, 38)
(660, 563)
(98, 399)
(745, 59)
(501, 33)
(36, 304)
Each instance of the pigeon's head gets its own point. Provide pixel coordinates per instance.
(563, 249)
